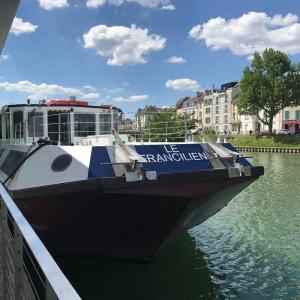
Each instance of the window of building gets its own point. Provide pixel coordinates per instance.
(207, 120)
(35, 124)
(226, 109)
(217, 120)
(217, 109)
(286, 115)
(217, 100)
(207, 102)
(246, 117)
(297, 114)
(233, 116)
(207, 110)
(84, 124)
(226, 119)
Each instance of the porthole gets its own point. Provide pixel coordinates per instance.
(61, 162)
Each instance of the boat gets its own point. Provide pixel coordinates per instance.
(87, 189)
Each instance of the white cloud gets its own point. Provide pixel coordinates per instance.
(163, 4)
(4, 57)
(183, 84)
(168, 7)
(43, 90)
(122, 45)
(113, 90)
(175, 60)
(251, 32)
(90, 88)
(135, 98)
(19, 27)
(52, 4)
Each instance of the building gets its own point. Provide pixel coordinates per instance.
(208, 110)
(288, 118)
(291, 118)
(144, 115)
(192, 106)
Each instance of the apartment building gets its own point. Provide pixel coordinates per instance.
(192, 106)
(208, 110)
(144, 115)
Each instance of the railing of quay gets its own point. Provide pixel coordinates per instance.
(27, 270)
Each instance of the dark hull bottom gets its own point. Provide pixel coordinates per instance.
(126, 222)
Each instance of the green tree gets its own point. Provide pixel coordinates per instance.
(269, 85)
(168, 126)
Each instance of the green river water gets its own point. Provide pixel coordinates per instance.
(249, 250)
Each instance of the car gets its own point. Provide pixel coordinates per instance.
(283, 132)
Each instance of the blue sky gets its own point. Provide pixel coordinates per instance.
(132, 53)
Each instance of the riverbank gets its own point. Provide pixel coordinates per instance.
(253, 141)
(280, 141)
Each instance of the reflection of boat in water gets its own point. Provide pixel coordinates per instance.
(87, 191)
(180, 272)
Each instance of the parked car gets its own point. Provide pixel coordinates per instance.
(283, 132)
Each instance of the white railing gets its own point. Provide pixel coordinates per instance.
(27, 270)
(62, 128)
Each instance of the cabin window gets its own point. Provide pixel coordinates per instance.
(85, 124)
(116, 120)
(7, 125)
(18, 124)
(12, 160)
(105, 123)
(35, 124)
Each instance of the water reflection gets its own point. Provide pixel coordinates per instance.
(249, 250)
(180, 272)
(253, 244)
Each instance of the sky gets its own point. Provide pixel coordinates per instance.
(132, 53)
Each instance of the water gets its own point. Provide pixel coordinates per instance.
(249, 250)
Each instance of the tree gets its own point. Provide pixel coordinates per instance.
(269, 85)
(168, 126)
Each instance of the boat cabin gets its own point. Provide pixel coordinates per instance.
(65, 122)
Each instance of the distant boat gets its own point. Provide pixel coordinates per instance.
(87, 190)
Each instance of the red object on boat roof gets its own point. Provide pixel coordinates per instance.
(67, 102)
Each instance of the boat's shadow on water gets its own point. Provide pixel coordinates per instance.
(180, 272)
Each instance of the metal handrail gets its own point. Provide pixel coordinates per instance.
(160, 131)
(19, 240)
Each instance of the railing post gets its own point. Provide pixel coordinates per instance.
(33, 129)
(59, 129)
(185, 127)
(25, 131)
(166, 131)
(3, 248)
(18, 261)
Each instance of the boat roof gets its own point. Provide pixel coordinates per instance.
(60, 105)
